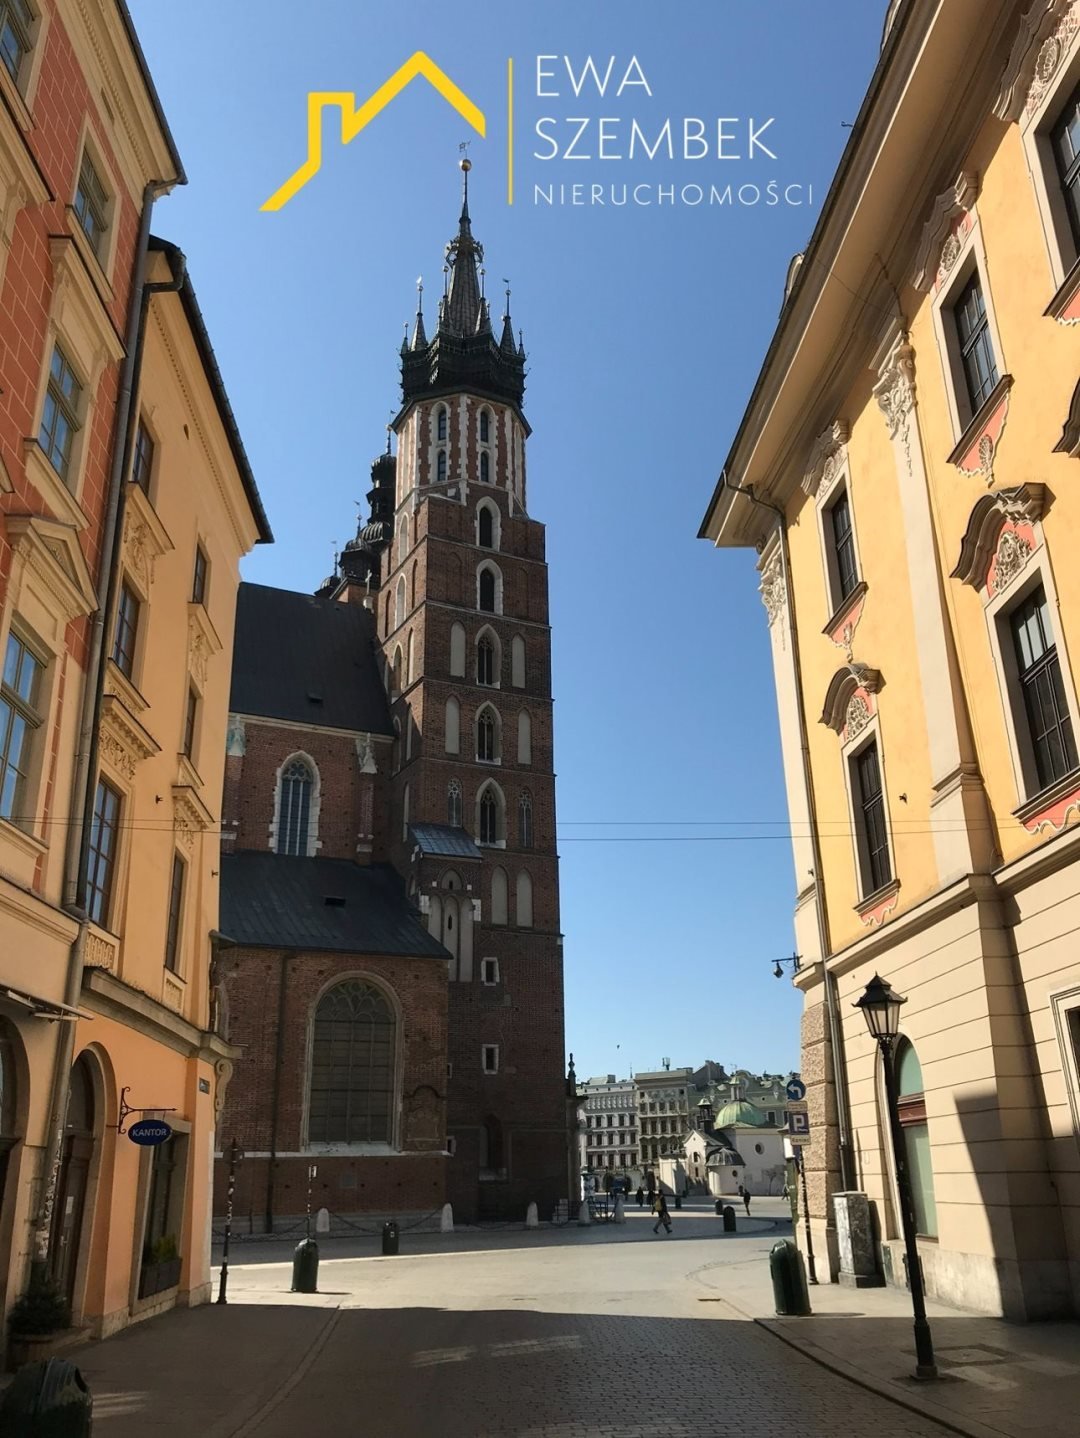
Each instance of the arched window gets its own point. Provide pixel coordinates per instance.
(525, 821)
(485, 527)
(450, 935)
(402, 538)
(351, 1099)
(489, 589)
(396, 754)
(396, 670)
(399, 603)
(490, 808)
(409, 675)
(453, 804)
(405, 815)
(485, 426)
(441, 421)
(524, 747)
(415, 582)
(499, 889)
(295, 788)
(452, 743)
(524, 900)
(440, 467)
(457, 651)
(912, 1106)
(517, 662)
(487, 735)
(485, 467)
(485, 661)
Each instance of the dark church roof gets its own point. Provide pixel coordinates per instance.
(446, 840)
(271, 901)
(306, 659)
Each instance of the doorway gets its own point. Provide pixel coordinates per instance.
(76, 1153)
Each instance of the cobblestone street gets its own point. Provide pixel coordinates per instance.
(566, 1334)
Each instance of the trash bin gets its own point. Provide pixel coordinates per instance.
(305, 1267)
(729, 1219)
(47, 1400)
(390, 1239)
(790, 1295)
(719, 1207)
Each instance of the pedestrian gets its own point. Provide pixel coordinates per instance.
(744, 1194)
(662, 1216)
(640, 1196)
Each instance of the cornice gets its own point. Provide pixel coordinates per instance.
(53, 552)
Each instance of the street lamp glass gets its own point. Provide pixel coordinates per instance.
(881, 1008)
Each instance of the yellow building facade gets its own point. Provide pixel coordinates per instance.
(907, 470)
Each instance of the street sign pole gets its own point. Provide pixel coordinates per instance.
(811, 1271)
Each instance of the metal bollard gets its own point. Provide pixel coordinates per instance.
(788, 1280)
(719, 1207)
(49, 1397)
(389, 1239)
(305, 1267)
(729, 1219)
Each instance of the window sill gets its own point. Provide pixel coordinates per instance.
(59, 499)
(16, 100)
(1062, 302)
(971, 434)
(347, 1150)
(1050, 805)
(873, 908)
(844, 609)
(123, 688)
(21, 838)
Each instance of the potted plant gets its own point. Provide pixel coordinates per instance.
(160, 1266)
(35, 1319)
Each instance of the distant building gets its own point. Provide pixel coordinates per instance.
(663, 1108)
(608, 1136)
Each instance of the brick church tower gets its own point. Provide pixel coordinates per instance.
(462, 619)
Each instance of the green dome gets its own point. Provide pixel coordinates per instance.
(742, 1111)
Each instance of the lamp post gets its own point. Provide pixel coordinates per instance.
(236, 1153)
(880, 1005)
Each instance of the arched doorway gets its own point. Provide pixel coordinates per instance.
(9, 1135)
(73, 1180)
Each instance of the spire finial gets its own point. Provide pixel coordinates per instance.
(506, 312)
(465, 165)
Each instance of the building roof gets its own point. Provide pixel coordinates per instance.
(446, 840)
(741, 1112)
(308, 660)
(273, 901)
(151, 90)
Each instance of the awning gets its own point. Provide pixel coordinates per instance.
(41, 1008)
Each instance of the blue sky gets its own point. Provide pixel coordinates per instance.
(645, 327)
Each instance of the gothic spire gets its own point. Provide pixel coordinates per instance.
(463, 303)
(419, 338)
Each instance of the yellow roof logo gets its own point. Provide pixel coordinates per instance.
(353, 120)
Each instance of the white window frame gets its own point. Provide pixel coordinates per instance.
(500, 842)
(1063, 1003)
(971, 257)
(496, 526)
(314, 843)
(1036, 572)
(22, 90)
(487, 632)
(849, 753)
(827, 498)
(497, 760)
(102, 263)
(38, 736)
(485, 971)
(1061, 248)
(490, 564)
(489, 1058)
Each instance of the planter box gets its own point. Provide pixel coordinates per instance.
(30, 1347)
(157, 1277)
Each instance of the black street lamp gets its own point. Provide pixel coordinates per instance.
(236, 1153)
(881, 1009)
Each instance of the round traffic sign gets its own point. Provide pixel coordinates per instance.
(796, 1090)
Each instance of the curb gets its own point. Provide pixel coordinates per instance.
(884, 1387)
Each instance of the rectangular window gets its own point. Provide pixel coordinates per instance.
(490, 1058)
(19, 718)
(843, 539)
(127, 631)
(144, 458)
(198, 578)
(489, 971)
(92, 204)
(60, 416)
(176, 908)
(1065, 138)
(1046, 710)
(16, 22)
(976, 346)
(876, 866)
(191, 716)
(101, 859)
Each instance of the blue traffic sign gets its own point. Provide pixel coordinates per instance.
(149, 1132)
(798, 1124)
(796, 1090)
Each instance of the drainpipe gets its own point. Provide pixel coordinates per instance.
(84, 781)
(847, 1167)
(275, 1101)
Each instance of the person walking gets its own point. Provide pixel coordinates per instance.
(640, 1196)
(660, 1208)
(744, 1194)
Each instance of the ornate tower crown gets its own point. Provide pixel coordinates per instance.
(464, 353)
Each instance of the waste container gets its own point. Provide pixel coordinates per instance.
(790, 1294)
(390, 1239)
(729, 1219)
(47, 1400)
(305, 1267)
(719, 1207)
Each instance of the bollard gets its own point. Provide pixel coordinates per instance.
(788, 1280)
(729, 1219)
(322, 1221)
(305, 1267)
(620, 1209)
(389, 1239)
(446, 1222)
(678, 1200)
(584, 1217)
(532, 1217)
(50, 1397)
(719, 1207)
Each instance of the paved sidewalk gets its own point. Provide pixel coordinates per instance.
(997, 1378)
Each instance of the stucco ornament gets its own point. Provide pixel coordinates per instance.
(895, 392)
(1013, 553)
(950, 253)
(858, 716)
(198, 652)
(773, 589)
(140, 555)
(986, 458)
(114, 752)
(1050, 56)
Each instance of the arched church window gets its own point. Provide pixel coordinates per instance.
(486, 528)
(490, 816)
(525, 822)
(351, 1096)
(485, 426)
(453, 803)
(487, 589)
(399, 603)
(485, 468)
(487, 736)
(440, 467)
(294, 808)
(485, 661)
(441, 422)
